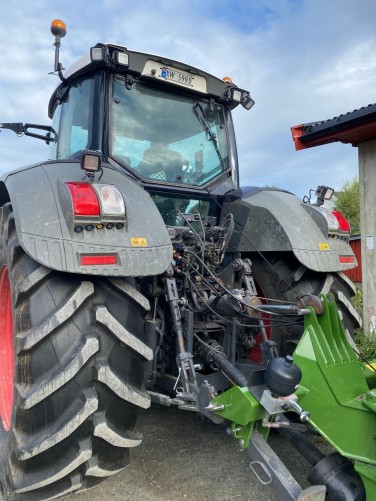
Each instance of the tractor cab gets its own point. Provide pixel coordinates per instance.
(160, 121)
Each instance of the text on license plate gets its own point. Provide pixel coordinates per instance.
(176, 76)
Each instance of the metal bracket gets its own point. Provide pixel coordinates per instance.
(23, 129)
(283, 482)
(242, 433)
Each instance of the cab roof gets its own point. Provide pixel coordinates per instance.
(146, 66)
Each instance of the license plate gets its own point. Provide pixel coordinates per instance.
(176, 76)
(153, 69)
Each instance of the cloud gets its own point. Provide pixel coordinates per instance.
(302, 61)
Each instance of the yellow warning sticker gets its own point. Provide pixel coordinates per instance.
(139, 242)
(324, 246)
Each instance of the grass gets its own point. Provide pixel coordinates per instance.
(366, 343)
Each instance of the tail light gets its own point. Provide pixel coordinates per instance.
(336, 221)
(84, 199)
(112, 203)
(95, 200)
(343, 223)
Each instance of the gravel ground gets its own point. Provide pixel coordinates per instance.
(186, 457)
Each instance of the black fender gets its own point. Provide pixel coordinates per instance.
(273, 220)
(44, 222)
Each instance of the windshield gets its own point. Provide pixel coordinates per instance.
(165, 136)
(174, 209)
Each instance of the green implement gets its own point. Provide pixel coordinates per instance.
(334, 398)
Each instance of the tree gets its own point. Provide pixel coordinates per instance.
(347, 201)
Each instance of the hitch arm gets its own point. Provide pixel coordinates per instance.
(23, 130)
(269, 469)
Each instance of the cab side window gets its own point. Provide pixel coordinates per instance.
(72, 121)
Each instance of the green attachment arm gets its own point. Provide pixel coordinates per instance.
(239, 406)
(243, 409)
(335, 392)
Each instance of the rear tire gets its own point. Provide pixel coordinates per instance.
(288, 280)
(78, 376)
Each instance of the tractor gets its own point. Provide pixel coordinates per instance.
(135, 270)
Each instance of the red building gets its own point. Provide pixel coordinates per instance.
(356, 273)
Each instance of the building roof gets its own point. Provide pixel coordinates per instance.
(353, 127)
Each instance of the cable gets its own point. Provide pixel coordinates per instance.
(228, 291)
(282, 322)
(245, 237)
(365, 361)
(229, 233)
(248, 326)
(194, 231)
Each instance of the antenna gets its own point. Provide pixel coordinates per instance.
(59, 30)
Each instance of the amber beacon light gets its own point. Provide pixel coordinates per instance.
(58, 28)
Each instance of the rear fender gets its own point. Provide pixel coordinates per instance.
(271, 220)
(44, 221)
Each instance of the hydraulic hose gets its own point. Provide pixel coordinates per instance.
(302, 444)
(212, 352)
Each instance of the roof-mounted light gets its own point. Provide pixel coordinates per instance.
(120, 58)
(236, 95)
(58, 28)
(247, 102)
(98, 53)
(239, 96)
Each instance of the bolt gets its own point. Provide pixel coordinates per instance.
(213, 407)
(304, 416)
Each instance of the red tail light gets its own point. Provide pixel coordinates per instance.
(346, 259)
(98, 260)
(343, 223)
(84, 198)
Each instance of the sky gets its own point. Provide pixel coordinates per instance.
(302, 61)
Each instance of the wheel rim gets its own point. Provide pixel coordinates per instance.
(6, 350)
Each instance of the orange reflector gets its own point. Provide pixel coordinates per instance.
(346, 259)
(98, 260)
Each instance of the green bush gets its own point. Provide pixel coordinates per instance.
(366, 345)
(347, 201)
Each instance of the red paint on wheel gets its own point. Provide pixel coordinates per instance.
(255, 354)
(6, 350)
